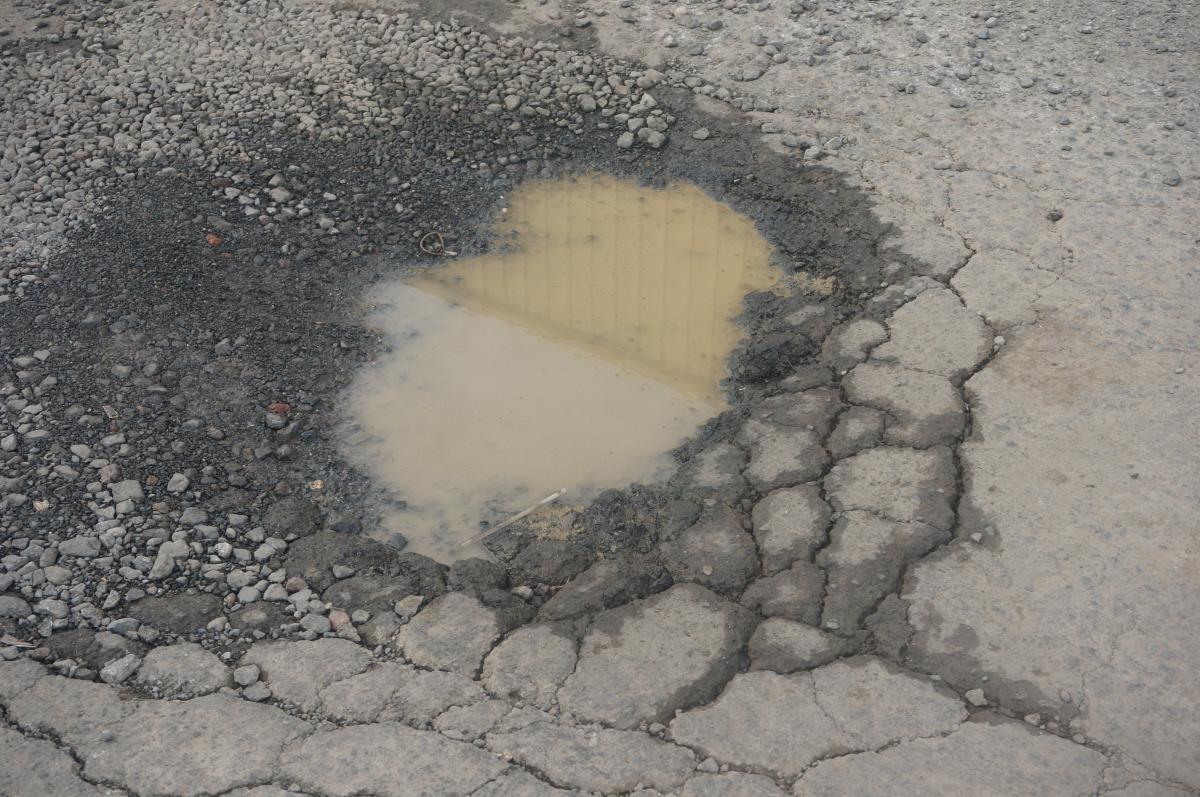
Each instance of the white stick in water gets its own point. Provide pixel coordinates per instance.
(527, 510)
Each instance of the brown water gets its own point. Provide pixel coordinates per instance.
(576, 359)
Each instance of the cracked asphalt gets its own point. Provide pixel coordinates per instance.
(944, 539)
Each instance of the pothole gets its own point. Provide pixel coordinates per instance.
(575, 358)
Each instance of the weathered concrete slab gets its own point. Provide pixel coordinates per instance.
(865, 558)
(606, 584)
(731, 784)
(1084, 584)
(393, 692)
(716, 471)
(1003, 287)
(529, 665)
(923, 409)
(642, 662)
(596, 759)
(850, 343)
(66, 707)
(936, 333)
(903, 484)
(453, 633)
(781, 456)
(36, 768)
(517, 783)
(983, 758)
(857, 428)
(186, 749)
(296, 672)
(715, 552)
(789, 524)
(764, 722)
(785, 646)
(795, 593)
(807, 409)
(388, 760)
(780, 724)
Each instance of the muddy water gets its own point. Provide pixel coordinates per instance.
(575, 357)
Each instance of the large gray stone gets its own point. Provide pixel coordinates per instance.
(388, 760)
(903, 484)
(529, 665)
(923, 409)
(935, 333)
(298, 671)
(184, 667)
(789, 524)
(642, 662)
(17, 676)
(83, 547)
(596, 759)
(453, 633)
(13, 606)
(715, 552)
(181, 614)
(995, 757)
(186, 749)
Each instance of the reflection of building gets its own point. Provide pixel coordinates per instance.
(647, 279)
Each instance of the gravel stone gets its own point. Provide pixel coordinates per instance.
(184, 667)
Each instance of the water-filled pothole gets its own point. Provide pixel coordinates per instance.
(577, 357)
